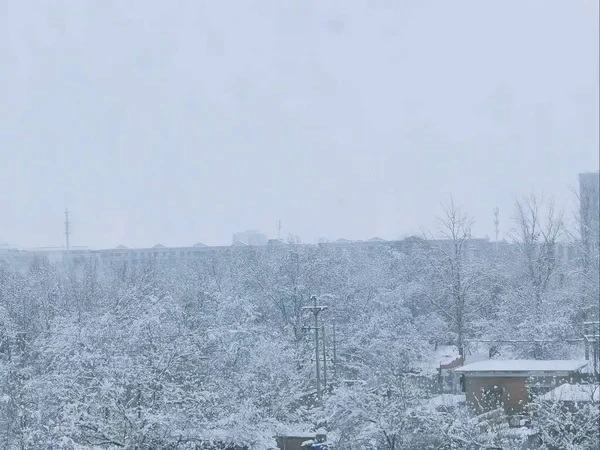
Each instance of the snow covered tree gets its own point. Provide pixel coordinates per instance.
(568, 426)
(375, 417)
(537, 239)
(455, 277)
(535, 304)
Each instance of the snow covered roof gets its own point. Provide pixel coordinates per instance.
(199, 244)
(476, 357)
(574, 393)
(524, 366)
(297, 434)
(446, 355)
(376, 239)
(159, 246)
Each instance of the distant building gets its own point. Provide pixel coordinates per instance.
(343, 241)
(8, 254)
(250, 237)
(159, 254)
(24, 257)
(589, 204)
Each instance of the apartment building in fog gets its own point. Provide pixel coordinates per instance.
(589, 204)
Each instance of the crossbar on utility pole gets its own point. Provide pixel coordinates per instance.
(315, 309)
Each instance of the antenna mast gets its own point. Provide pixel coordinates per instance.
(496, 223)
(67, 229)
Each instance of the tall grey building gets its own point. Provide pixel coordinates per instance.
(589, 203)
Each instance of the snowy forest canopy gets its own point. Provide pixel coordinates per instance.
(218, 350)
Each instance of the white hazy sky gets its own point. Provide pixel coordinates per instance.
(184, 121)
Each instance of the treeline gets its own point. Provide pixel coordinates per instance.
(218, 351)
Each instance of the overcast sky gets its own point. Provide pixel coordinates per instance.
(185, 121)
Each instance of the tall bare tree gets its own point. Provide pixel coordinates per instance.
(537, 237)
(456, 273)
(585, 239)
(534, 302)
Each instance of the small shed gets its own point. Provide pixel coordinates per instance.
(295, 441)
(513, 383)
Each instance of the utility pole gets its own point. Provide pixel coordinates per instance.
(279, 231)
(591, 336)
(67, 230)
(335, 374)
(316, 310)
(496, 223)
(324, 361)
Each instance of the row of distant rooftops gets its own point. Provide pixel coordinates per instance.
(237, 243)
(199, 250)
(411, 240)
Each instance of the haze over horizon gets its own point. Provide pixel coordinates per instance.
(173, 123)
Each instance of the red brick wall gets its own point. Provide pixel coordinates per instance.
(516, 392)
(514, 398)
